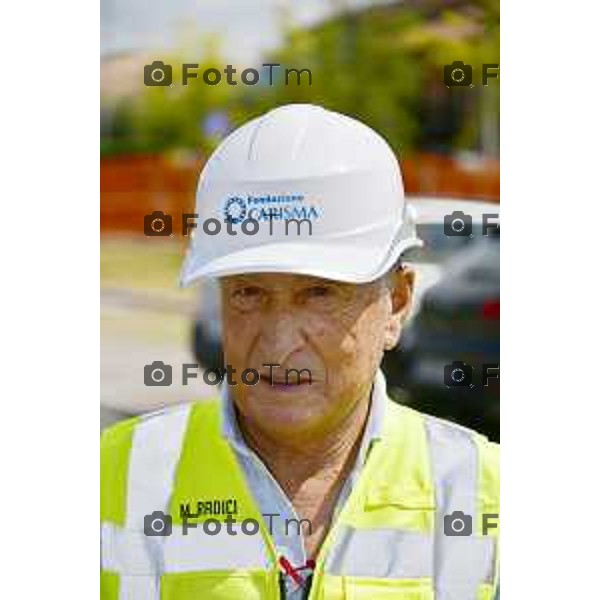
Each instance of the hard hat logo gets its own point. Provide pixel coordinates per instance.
(270, 207)
(235, 210)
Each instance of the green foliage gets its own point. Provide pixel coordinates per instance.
(373, 65)
(358, 70)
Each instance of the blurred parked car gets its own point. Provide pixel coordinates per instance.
(455, 315)
(448, 359)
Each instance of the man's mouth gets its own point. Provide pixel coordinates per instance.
(281, 383)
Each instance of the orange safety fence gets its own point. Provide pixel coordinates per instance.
(134, 186)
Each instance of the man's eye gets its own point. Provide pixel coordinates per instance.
(319, 291)
(322, 295)
(248, 291)
(246, 297)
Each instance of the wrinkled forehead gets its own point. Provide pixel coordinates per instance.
(283, 280)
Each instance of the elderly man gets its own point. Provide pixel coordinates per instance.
(304, 482)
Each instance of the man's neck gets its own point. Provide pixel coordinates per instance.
(294, 460)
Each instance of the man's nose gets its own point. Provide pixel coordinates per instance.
(281, 337)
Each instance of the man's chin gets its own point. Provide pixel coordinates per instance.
(287, 411)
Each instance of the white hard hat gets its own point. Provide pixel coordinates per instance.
(301, 161)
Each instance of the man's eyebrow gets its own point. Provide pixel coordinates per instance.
(239, 279)
(311, 280)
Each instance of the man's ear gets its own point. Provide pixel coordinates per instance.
(401, 283)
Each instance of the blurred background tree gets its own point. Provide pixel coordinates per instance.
(357, 69)
(382, 64)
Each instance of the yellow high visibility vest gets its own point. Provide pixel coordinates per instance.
(423, 479)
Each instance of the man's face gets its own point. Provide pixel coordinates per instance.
(337, 331)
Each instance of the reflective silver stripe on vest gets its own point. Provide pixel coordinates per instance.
(135, 587)
(462, 563)
(155, 450)
(199, 551)
(381, 552)
(132, 552)
(156, 446)
(126, 551)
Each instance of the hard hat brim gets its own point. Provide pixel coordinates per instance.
(339, 262)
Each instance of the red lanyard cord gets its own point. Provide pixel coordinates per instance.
(289, 570)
